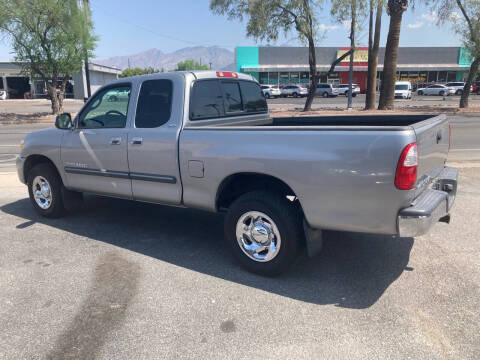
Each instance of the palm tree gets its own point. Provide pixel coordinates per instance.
(395, 9)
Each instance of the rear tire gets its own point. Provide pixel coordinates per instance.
(459, 92)
(441, 93)
(276, 221)
(267, 96)
(45, 191)
(325, 95)
(295, 95)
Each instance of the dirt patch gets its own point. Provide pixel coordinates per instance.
(420, 109)
(11, 118)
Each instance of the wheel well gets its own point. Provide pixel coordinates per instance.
(34, 160)
(238, 184)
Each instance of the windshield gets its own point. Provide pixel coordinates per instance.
(401, 87)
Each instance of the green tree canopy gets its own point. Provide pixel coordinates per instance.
(138, 71)
(191, 64)
(51, 37)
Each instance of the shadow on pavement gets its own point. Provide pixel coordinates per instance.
(352, 271)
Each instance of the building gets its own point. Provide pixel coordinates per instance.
(289, 65)
(17, 83)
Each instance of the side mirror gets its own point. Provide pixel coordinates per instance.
(64, 121)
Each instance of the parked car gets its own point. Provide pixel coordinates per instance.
(476, 87)
(436, 89)
(343, 89)
(3, 95)
(271, 91)
(205, 140)
(458, 86)
(326, 90)
(120, 95)
(294, 90)
(403, 89)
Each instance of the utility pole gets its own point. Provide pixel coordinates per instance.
(86, 6)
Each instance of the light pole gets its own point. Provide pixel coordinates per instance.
(86, 5)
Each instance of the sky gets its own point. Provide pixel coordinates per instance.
(128, 27)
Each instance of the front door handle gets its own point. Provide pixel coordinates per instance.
(116, 141)
(136, 141)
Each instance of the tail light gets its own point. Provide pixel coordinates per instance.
(406, 175)
(331, 89)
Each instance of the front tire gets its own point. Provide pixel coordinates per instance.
(45, 191)
(264, 231)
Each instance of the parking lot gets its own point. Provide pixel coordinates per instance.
(124, 280)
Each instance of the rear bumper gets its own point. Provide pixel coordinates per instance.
(430, 206)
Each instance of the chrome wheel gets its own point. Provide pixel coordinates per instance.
(42, 192)
(258, 236)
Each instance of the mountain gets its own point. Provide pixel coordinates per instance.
(221, 59)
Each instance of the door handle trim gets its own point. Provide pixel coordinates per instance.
(136, 141)
(116, 141)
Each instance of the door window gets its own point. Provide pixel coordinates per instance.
(154, 103)
(108, 109)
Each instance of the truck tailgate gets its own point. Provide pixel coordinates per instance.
(433, 137)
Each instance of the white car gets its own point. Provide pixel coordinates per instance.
(294, 90)
(436, 89)
(271, 91)
(343, 89)
(403, 89)
(3, 95)
(458, 86)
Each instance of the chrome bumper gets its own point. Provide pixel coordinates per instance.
(431, 206)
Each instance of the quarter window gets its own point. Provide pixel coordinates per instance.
(108, 109)
(154, 104)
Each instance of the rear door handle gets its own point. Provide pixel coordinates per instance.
(116, 141)
(136, 141)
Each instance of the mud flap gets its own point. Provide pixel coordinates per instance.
(314, 240)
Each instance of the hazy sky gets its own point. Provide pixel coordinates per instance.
(127, 27)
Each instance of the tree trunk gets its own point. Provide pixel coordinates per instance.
(56, 99)
(373, 58)
(387, 92)
(312, 61)
(468, 84)
(352, 46)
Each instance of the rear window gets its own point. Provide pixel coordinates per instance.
(154, 104)
(206, 100)
(253, 97)
(212, 99)
(401, 87)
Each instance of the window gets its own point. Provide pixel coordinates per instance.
(231, 94)
(253, 97)
(154, 104)
(108, 109)
(1, 83)
(206, 100)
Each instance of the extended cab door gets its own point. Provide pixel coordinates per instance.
(94, 153)
(153, 141)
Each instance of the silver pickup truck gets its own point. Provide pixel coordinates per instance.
(205, 140)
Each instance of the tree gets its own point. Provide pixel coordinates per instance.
(51, 37)
(191, 64)
(373, 46)
(138, 71)
(267, 18)
(395, 9)
(467, 26)
(349, 10)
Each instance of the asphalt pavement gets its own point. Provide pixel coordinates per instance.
(124, 280)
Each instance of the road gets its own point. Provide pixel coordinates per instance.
(465, 140)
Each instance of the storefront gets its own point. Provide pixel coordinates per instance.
(289, 65)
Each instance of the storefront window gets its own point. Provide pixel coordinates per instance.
(294, 78)
(263, 78)
(304, 77)
(452, 76)
(273, 78)
(442, 76)
(284, 77)
(432, 76)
